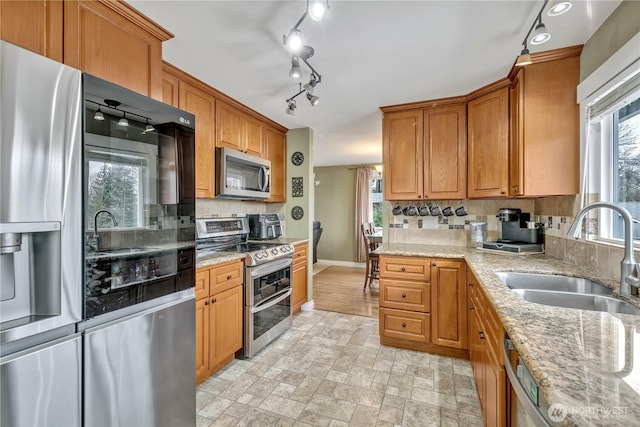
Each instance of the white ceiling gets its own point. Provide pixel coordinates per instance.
(369, 53)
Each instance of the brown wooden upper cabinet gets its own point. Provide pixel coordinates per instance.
(108, 39)
(488, 145)
(276, 145)
(544, 145)
(425, 153)
(239, 131)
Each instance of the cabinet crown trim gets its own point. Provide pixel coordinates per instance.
(128, 12)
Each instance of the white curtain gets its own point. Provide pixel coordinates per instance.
(363, 210)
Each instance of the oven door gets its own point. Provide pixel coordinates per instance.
(268, 304)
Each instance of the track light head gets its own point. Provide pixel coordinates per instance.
(295, 71)
(123, 121)
(558, 7)
(291, 108)
(316, 9)
(148, 128)
(313, 100)
(98, 115)
(293, 41)
(313, 81)
(540, 34)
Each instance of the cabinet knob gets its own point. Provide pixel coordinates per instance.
(434, 265)
(471, 285)
(420, 197)
(516, 191)
(502, 192)
(403, 269)
(481, 334)
(404, 295)
(213, 300)
(206, 302)
(229, 277)
(471, 308)
(404, 325)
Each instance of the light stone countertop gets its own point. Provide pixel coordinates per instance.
(284, 240)
(586, 360)
(216, 258)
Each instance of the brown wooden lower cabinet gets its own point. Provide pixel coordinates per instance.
(299, 277)
(423, 304)
(218, 317)
(485, 352)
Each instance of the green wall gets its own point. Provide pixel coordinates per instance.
(335, 208)
(618, 29)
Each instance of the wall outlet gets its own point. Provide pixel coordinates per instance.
(550, 222)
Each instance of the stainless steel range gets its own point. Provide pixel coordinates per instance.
(267, 278)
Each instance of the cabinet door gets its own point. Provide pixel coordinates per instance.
(202, 339)
(253, 136)
(202, 105)
(34, 25)
(449, 304)
(488, 145)
(170, 89)
(225, 323)
(299, 292)
(105, 40)
(276, 148)
(229, 127)
(516, 140)
(445, 152)
(402, 155)
(202, 283)
(494, 391)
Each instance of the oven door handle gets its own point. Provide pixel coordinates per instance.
(270, 267)
(275, 299)
(523, 396)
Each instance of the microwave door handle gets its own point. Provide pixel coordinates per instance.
(263, 180)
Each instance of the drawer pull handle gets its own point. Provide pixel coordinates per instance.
(404, 325)
(403, 269)
(481, 334)
(404, 295)
(229, 277)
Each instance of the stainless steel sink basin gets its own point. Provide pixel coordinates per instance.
(576, 300)
(553, 282)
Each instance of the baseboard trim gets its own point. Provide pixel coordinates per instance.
(307, 306)
(342, 263)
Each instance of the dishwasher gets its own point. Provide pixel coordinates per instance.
(528, 407)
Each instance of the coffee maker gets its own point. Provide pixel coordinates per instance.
(517, 233)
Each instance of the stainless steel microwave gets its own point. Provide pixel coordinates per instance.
(241, 176)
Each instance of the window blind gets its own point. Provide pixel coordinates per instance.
(624, 93)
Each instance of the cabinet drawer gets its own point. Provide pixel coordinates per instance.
(405, 268)
(405, 325)
(405, 295)
(225, 276)
(300, 253)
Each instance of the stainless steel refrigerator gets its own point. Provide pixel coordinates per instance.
(93, 331)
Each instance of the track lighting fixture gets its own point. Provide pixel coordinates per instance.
(313, 100)
(558, 7)
(98, 115)
(312, 84)
(540, 33)
(148, 128)
(123, 121)
(293, 41)
(295, 71)
(317, 9)
(291, 107)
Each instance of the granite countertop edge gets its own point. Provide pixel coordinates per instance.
(216, 258)
(546, 337)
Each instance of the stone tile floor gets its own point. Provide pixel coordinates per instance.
(330, 370)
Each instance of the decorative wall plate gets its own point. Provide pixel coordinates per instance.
(297, 213)
(297, 158)
(297, 188)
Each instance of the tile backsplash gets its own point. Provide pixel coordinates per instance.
(557, 213)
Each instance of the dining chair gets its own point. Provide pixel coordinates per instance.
(372, 265)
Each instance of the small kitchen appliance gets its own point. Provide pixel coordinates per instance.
(267, 278)
(264, 226)
(517, 233)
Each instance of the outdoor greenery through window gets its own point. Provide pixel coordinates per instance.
(626, 165)
(376, 201)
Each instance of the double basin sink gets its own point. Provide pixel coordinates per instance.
(565, 291)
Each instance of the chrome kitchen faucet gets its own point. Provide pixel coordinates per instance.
(629, 274)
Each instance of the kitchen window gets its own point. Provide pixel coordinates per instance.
(612, 171)
(376, 201)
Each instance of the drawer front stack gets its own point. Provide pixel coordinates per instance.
(405, 302)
